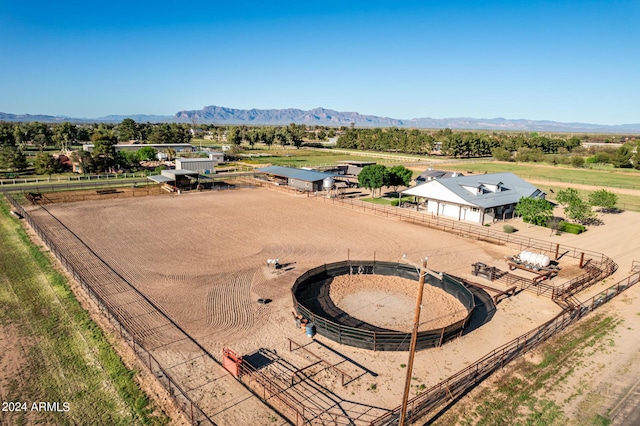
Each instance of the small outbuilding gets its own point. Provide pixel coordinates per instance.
(354, 167)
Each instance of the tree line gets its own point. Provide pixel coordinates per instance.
(450, 143)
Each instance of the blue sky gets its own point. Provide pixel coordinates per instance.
(554, 60)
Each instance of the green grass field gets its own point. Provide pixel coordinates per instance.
(62, 355)
(625, 201)
(612, 178)
(297, 158)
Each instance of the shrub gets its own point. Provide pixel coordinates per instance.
(572, 228)
(395, 203)
(508, 229)
(577, 161)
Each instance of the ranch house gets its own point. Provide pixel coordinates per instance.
(474, 198)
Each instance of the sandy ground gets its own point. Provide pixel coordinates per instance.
(386, 302)
(202, 258)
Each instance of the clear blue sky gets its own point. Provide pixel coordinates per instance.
(554, 60)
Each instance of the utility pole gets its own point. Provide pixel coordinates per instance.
(414, 339)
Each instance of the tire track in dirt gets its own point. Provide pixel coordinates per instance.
(229, 306)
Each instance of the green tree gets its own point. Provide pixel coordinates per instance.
(104, 154)
(537, 211)
(126, 159)
(41, 135)
(604, 199)
(253, 136)
(84, 161)
(147, 153)
(268, 136)
(7, 136)
(501, 154)
(233, 136)
(636, 157)
(578, 210)
(12, 159)
(398, 176)
(568, 196)
(577, 161)
(282, 136)
(45, 164)
(296, 133)
(373, 177)
(575, 208)
(127, 130)
(622, 157)
(64, 134)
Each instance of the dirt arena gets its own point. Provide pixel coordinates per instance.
(385, 301)
(202, 258)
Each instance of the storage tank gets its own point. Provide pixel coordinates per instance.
(536, 259)
(327, 183)
(310, 329)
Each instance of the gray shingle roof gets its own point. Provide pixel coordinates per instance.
(513, 188)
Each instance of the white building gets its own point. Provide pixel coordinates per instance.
(474, 198)
(201, 165)
(178, 147)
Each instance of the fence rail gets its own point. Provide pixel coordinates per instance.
(465, 379)
(79, 178)
(195, 414)
(598, 267)
(308, 288)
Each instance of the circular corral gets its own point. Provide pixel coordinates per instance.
(315, 300)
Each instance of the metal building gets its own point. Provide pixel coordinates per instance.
(304, 180)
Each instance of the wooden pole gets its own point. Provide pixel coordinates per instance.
(414, 339)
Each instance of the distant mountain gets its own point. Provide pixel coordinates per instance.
(327, 117)
(320, 116)
(140, 118)
(28, 117)
(107, 119)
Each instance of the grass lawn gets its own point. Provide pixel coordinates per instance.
(385, 201)
(304, 157)
(625, 201)
(51, 350)
(605, 177)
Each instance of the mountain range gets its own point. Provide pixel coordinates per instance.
(326, 117)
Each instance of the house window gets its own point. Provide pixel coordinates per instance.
(475, 209)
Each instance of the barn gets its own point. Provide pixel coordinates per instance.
(304, 180)
(475, 198)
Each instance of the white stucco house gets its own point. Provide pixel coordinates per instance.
(474, 198)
